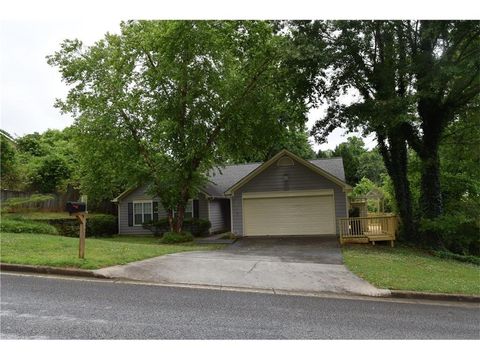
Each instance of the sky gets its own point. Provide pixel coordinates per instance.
(32, 29)
(29, 86)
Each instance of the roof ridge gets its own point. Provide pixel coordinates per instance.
(330, 158)
(261, 162)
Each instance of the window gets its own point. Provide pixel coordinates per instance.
(142, 212)
(189, 209)
(189, 213)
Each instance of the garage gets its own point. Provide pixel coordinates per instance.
(289, 213)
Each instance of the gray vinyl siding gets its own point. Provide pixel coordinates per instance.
(136, 195)
(219, 214)
(139, 194)
(272, 179)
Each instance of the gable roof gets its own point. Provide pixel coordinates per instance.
(332, 169)
(223, 179)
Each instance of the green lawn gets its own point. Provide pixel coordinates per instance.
(405, 268)
(52, 250)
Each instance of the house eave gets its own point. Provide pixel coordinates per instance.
(281, 153)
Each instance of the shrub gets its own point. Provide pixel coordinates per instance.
(176, 238)
(102, 225)
(97, 225)
(159, 227)
(229, 236)
(65, 227)
(21, 226)
(459, 234)
(197, 227)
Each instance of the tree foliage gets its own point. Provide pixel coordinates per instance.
(409, 81)
(8, 160)
(170, 100)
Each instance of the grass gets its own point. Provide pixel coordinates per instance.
(60, 251)
(406, 268)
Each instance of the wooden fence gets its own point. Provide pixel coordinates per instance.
(57, 203)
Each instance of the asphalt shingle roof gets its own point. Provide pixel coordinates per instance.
(224, 178)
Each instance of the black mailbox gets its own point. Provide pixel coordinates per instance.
(75, 207)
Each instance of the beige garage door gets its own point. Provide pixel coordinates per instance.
(289, 215)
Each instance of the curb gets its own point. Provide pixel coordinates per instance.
(400, 294)
(51, 270)
(434, 296)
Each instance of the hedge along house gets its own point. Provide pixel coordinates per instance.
(285, 195)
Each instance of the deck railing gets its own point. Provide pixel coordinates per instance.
(372, 227)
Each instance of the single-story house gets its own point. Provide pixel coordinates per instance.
(285, 195)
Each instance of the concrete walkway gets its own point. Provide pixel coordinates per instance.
(309, 265)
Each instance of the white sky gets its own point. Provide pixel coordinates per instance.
(30, 30)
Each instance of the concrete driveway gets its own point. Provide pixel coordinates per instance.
(277, 264)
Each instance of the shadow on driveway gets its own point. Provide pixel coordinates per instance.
(300, 249)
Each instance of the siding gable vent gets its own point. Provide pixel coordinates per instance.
(285, 161)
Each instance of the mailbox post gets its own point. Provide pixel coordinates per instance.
(78, 209)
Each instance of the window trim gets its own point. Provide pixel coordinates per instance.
(193, 208)
(143, 213)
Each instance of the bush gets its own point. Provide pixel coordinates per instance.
(176, 238)
(102, 225)
(32, 227)
(97, 225)
(65, 227)
(229, 236)
(198, 227)
(159, 227)
(458, 233)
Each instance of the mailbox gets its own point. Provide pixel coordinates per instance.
(75, 207)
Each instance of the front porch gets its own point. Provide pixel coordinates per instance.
(368, 229)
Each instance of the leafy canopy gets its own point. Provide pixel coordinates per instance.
(170, 100)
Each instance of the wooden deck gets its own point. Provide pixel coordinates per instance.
(370, 229)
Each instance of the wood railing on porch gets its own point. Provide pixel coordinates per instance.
(368, 229)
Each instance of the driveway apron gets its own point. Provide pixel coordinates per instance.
(279, 264)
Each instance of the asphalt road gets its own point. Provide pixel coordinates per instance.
(60, 308)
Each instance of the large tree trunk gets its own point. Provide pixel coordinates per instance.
(171, 220)
(396, 161)
(431, 202)
(180, 212)
(431, 195)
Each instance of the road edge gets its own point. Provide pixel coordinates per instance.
(404, 294)
(40, 269)
(401, 294)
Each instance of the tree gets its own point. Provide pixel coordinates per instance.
(459, 156)
(261, 150)
(8, 160)
(445, 61)
(168, 101)
(364, 61)
(351, 151)
(408, 80)
(31, 144)
(371, 166)
(50, 174)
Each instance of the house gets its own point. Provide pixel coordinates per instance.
(285, 195)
